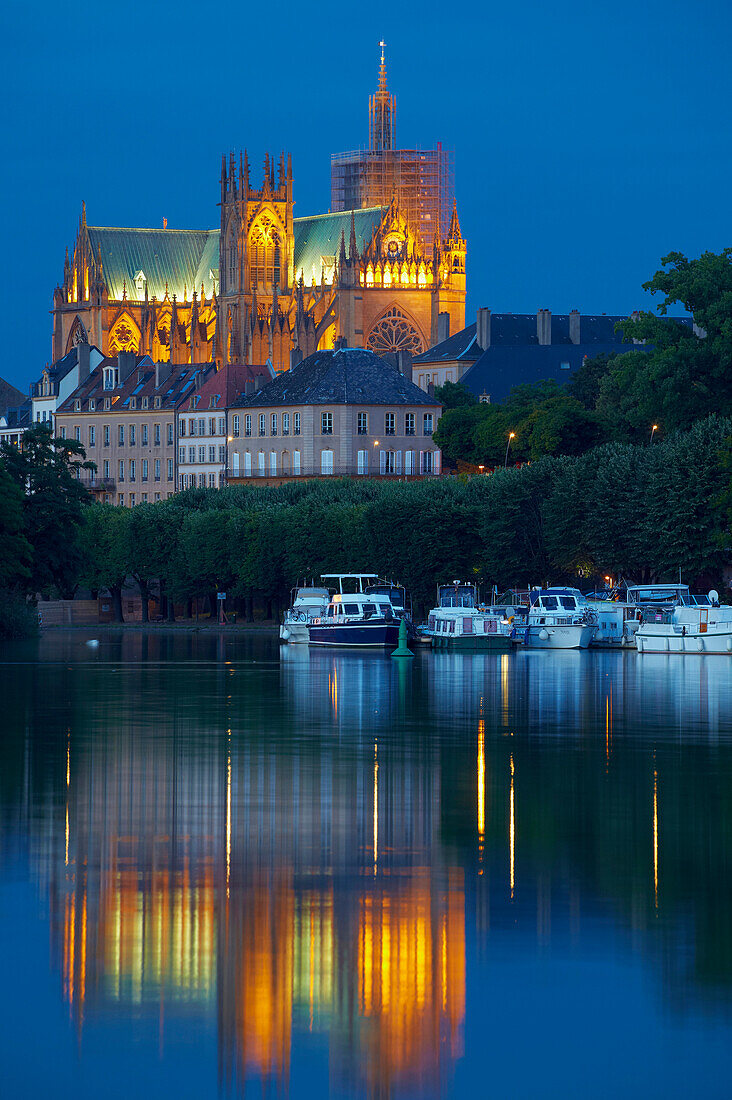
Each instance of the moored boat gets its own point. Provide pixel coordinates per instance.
(459, 623)
(559, 618)
(307, 604)
(696, 625)
(356, 619)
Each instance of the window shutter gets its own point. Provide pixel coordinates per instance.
(399, 462)
(437, 458)
(421, 462)
(382, 462)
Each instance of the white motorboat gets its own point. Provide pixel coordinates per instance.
(559, 618)
(459, 623)
(696, 625)
(620, 614)
(307, 604)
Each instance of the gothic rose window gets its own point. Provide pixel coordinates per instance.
(122, 338)
(394, 332)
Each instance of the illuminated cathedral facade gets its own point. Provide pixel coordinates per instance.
(264, 284)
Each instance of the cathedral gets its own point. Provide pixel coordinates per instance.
(265, 285)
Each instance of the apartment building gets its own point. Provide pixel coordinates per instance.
(124, 414)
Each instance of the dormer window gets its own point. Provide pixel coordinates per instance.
(77, 407)
(144, 402)
(107, 404)
(133, 402)
(140, 280)
(92, 405)
(156, 402)
(110, 378)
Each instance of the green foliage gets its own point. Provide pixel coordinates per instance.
(454, 395)
(16, 550)
(18, 617)
(54, 499)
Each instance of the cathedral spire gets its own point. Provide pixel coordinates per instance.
(382, 112)
(352, 246)
(454, 234)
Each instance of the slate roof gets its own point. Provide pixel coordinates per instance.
(348, 376)
(183, 259)
(460, 346)
(9, 395)
(227, 385)
(178, 386)
(499, 369)
(18, 416)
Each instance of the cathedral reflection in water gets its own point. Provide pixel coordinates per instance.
(282, 849)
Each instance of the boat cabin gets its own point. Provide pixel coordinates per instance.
(457, 594)
(358, 605)
(557, 600)
(350, 583)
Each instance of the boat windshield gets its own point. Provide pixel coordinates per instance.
(457, 597)
(550, 603)
(569, 603)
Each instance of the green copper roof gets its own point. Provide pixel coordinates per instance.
(183, 259)
(176, 257)
(318, 238)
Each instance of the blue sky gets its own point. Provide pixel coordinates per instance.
(589, 140)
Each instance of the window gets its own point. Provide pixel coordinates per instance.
(107, 404)
(272, 463)
(247, 424)
(77, 434)
(363, 424)
(105, 468)
(156, 435)
(260, 463)
(92, 436)
(144, 495)
(133, 500)
(63, 433)
(363, 462)
(222, 453)
(109, 379)
(121, 499)
(202, 453)
(212, 481)
(201, 481)
(212, 425)
(247, 463)
(222, 425)
(157, 469)
(387, 462)
(145, 402)
(170, 469)
(296, 424)
(409, 462)
(132, 469)
(181, 428)
(156, 404)
(296, 461)
(326, 462)
(157, 495)
(409, 424)
(121, 435)
(143, 435)
(273, 424)
(170, 433)
(212, 454)
(133, 435)
(202, 426)
(92, 406)
(235, 426)
(192, 427)
(77, 408)
(564, 366)
(144, 469)
(191, 454)
(121, 471)
(182, 455)
(326, 424)
(262, 423)
(390, 424)
(427, 463)
(133, 403)
(285, 423)
(428, 422)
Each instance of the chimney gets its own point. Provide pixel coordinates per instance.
(404, 364)
(483, 328)
(126, 362)
(340, 342)
(258, 382)
(162, 371)
(574, 326)
(248, 387)
(544, 326)
(295, 357)
(83, 353)
(443, 327)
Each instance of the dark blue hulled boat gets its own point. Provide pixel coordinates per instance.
(357, 619)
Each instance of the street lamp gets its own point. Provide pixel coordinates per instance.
(481, 468)
(653, 429)
(511, 435)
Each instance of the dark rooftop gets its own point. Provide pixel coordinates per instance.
(348, 376)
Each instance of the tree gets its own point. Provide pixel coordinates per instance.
(47, 471)
(455, 395)
(104, 544)
(151, 548)
(15, 559)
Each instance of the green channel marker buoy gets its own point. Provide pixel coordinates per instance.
(402, 650)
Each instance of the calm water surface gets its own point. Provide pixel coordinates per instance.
(229, 869)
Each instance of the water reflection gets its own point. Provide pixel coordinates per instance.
(322, 845)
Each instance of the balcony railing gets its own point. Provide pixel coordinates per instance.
(99, 484)
(256, 474)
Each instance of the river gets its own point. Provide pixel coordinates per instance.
(228, 867)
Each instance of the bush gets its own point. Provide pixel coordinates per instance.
(18, 617)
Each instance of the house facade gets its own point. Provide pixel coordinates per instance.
(59, 380)
(337, 413)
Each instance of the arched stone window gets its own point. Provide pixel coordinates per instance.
(265, 255)
(124, 335)
(393, 332)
